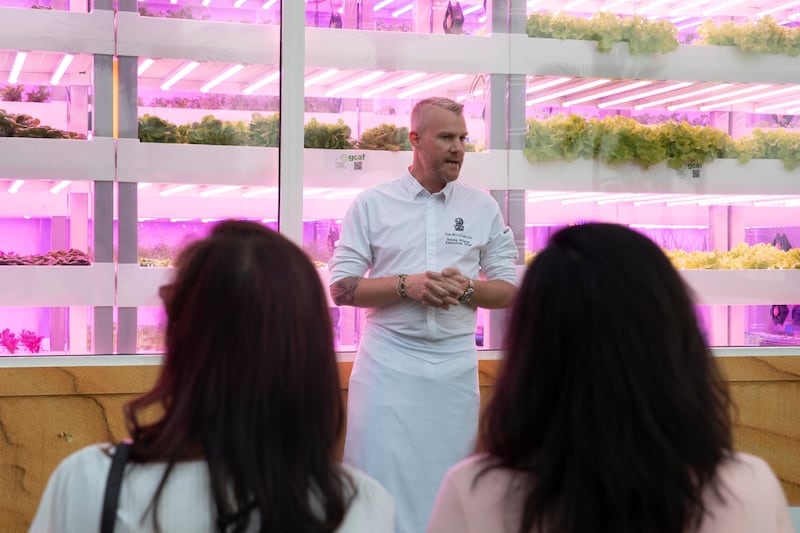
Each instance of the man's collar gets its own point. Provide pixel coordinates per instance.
(415, 188)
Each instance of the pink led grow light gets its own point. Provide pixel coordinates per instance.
(402, 10)
(381, 5)
(778, 8)
(429, 85)
(717, 97)
(16, 68)
(222, 77)
(62, 68)
(720, 7)
(565, 92)
(751, 99)
(682, 96)
(645, 94)
(180, 74)
(259, 84)
(546, 85)
(610, 92)
(16, 186)
(392, 84)
(360, 80)
(144, 65)
(55, 189)
(320, 77)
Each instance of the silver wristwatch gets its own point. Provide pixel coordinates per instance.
(467, 296)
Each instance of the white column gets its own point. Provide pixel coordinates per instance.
(290, 179)
(718, 240)
(79, 239)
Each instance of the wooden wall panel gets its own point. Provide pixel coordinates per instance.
(47, 413)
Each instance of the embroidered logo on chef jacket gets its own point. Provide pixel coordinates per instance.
(457, 239)
(459, 225)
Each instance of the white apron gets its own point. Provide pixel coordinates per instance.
(412, 413)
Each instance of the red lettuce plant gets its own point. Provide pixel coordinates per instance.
(9, 340)
(31, 340)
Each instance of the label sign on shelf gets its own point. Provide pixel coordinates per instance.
(350, 161)
(691, 171)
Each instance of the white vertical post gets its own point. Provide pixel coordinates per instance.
(737, 318)
(290, 165)
(718, 240)
(78, 238)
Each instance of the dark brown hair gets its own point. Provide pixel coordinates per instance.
(249, 383)
(609, 406)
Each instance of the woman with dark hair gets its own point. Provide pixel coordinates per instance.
(240, 430)
(610, 415)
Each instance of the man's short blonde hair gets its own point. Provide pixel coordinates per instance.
(421, 109)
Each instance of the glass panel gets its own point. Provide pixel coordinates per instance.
(46, 94)
(50, 5)
(360, 140)
(207, 150)
(238, 11)
(46, 260)
(422, 16)
(698, 152)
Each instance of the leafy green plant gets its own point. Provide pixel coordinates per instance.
(618, 139)
(686, 144)
(41, 94)
(220, 101)
(765, 36)
(211, 130)
(12, 93)
(560, 137)
(690, 118)
(330, 136)
(8, 126)
(742, 256)
(22, 125)
(643, 36)
(769, 144)
(185, 12)
(153, 129)
(385, 137)
(264, 131)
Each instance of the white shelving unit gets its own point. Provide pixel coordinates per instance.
(554, 57)
(197, 40)
(56, 286)
(196, 163)
(722, 176)
(744, 287)
(48, 37)
(57, 159)
(57, 31)
(126, 160)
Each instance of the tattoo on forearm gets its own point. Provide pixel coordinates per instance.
(344, 291)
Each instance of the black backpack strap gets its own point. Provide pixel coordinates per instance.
(113, 486)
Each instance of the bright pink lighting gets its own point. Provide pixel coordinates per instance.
(62, 68)
(16, 68)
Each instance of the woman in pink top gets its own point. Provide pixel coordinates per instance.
(610, 415)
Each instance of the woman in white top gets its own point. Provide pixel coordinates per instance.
(609, 415)
(248, 406)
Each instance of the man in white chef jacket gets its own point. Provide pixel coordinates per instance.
(424, 239)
